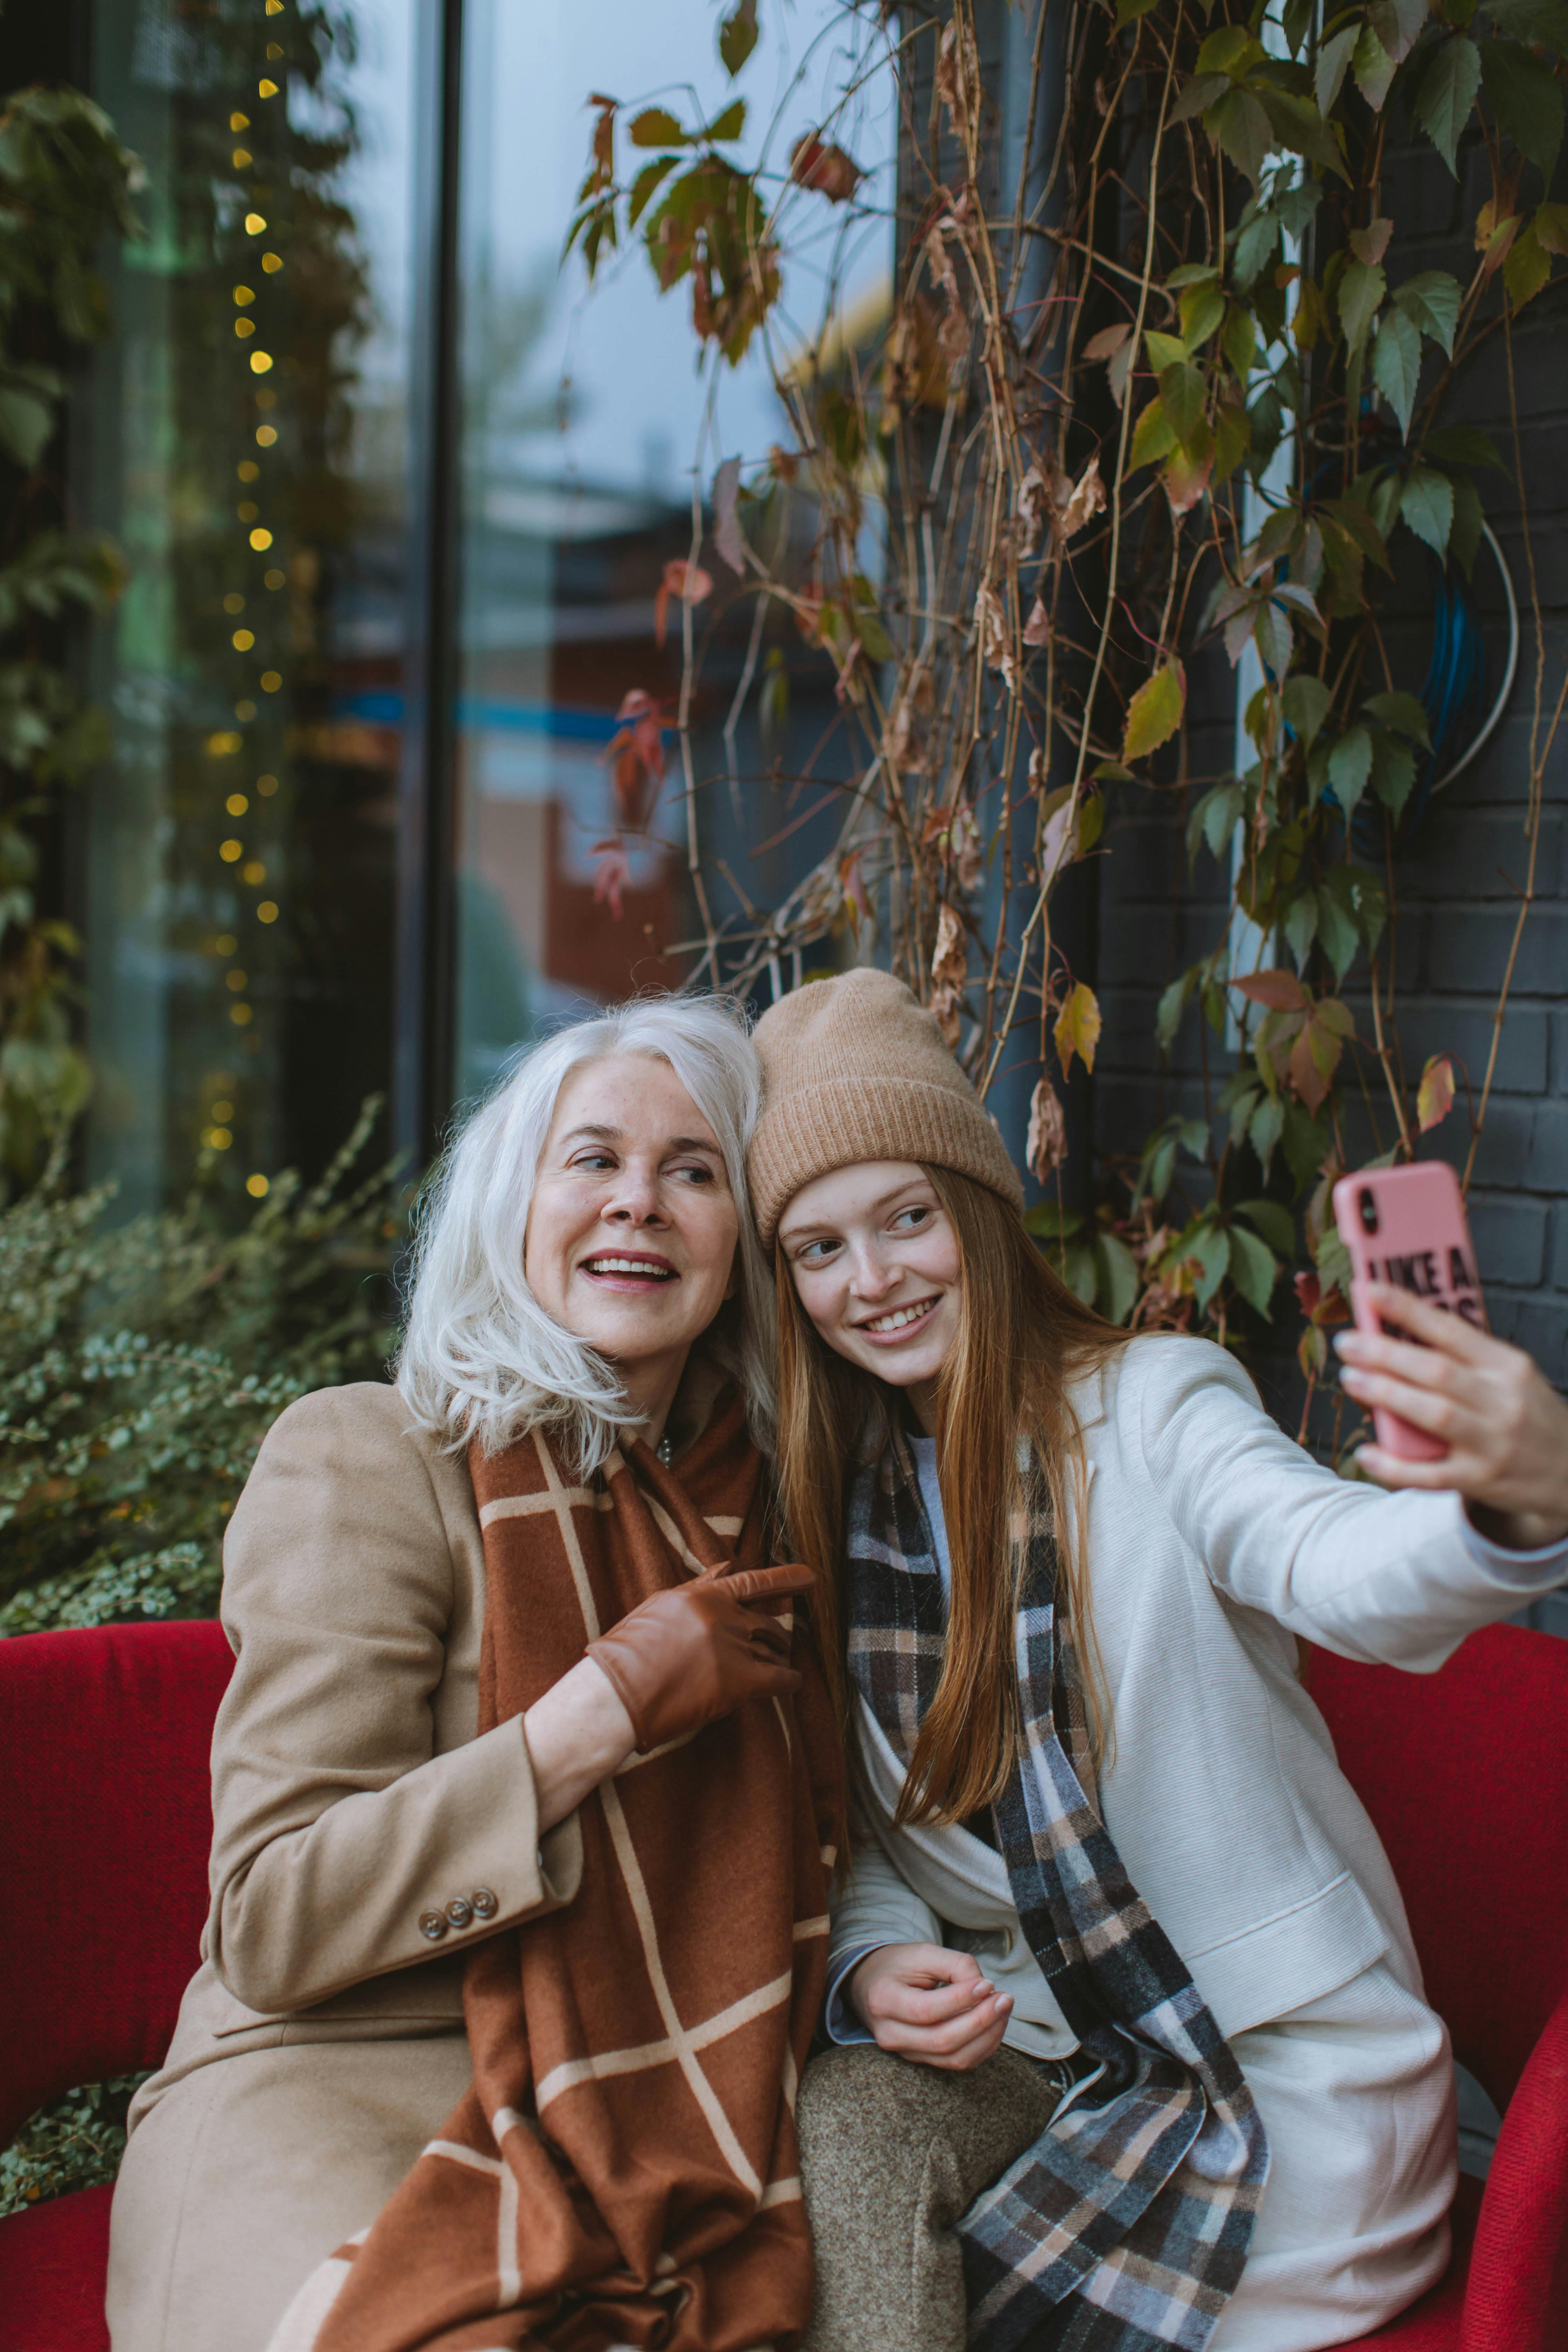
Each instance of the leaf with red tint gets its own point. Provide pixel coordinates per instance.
(1038, 627)
(1308, 1291)
(1435, 1099)
(687, 581)
(1086, 501)
(815, 164)
(1186, 480)
(1281, 991)
(613, 875)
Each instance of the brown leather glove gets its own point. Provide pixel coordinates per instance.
(688, 1655)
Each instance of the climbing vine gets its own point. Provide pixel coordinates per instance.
(1156, 386)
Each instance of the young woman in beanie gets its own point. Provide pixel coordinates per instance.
(1135, 2047)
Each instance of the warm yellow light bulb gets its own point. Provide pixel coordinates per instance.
(254, 224)
(242, 641)
(272, 263)
(267, 786)
(246, 711)
(222, 743)
(239, 121)
(254, 873)
(247, 469)
(236, 803)
(220, 1139)
(236, 980)
(239, 1014)
(258, 1186)
(240, 158)
(248, 510)
(244, 329)
(267, 88)
(230, 850)
(267, 912)
(261, 538)
(222, 1111)
(225, 944)
(272, 680)
(233, 603)
(245, 294)
(273, 579)
(260, 361)
(266, 435)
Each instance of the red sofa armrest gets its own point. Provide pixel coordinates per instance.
(1517, 2299)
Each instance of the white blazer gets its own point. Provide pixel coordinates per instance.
(1213, 1542)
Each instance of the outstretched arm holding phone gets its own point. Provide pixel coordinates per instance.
(1505, 1427)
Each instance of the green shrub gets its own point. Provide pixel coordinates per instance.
(141, 1364)
(76, 2142)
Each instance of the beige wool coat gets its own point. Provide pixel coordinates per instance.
(364, 1836)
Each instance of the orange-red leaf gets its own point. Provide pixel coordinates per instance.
(1280, 991)
(1435, 1099)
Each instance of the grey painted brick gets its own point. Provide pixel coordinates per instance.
(1482, 852)
(1469, 950)
(1560, 1053)
(1546, 1162)
(1509, 1238)
(1432, 1024)
(1539, 1325)
(1503, 1149)
(1559, 1255)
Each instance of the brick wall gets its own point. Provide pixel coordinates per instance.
(1456, 881)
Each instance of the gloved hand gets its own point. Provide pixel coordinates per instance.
(688, 1655)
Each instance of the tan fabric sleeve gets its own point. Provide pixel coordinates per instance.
(336, 1824)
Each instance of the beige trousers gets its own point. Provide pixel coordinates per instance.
(891, 2155)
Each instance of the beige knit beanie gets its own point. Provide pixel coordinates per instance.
(854, 1068)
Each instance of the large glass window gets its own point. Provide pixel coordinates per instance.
(248, 450)
(587, 429)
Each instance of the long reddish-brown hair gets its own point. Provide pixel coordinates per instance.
(1022, 1338)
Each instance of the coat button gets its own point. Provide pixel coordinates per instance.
(485, 1903)
(459, 1911)
(433, 1925)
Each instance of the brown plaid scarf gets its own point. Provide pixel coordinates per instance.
(623, 2170)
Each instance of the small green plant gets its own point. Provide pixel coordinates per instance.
(76, 2142)
(142, 1363)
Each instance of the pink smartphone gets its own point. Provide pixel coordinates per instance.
(1407, 1225)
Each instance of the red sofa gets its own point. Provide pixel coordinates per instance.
(104, 1828)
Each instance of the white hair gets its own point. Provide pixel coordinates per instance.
(480, 1358)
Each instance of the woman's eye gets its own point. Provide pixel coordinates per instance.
(815, 1253)
(696, 1173)
(910, 1220)
(592, 1161)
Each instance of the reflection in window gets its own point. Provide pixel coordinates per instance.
(582, 420)
(248, 451)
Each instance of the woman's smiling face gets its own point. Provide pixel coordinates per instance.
(876, 1265)
(632, 1227)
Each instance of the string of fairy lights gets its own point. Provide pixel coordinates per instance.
(234, 853)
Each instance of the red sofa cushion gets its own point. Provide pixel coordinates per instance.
(105, 1826)
(52, 2263)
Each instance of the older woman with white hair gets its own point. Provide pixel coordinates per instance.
(522, 1809)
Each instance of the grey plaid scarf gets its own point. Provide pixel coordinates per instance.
(1126, 2225)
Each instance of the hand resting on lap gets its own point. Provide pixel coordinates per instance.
(926, 2004)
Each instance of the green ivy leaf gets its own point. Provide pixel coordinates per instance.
(1350, 765)
(1362, 287)
(1396, 365)
(1256, 242)
(1264, 1129)
(1307, 703)
(1333, 61)
(1116, 1292)
(645, 187)
(1239, 127)
(656, 127)
(1430, 300)
(1301, 928)
(1543, 23)
(1182, 393)
(1526, 101)
(1403, 712)
(1240, 341)
(1202, 310)
(1271, 636)
(1528, 266)
(1465, 537)
(1274, 1222)
(1446, 93)
(738, 36)
(1254, 1269)
(1462, 445)
(1336, 932)
(1154, 436)
(1426, 504)
(1154, 713)
(1392, 770)
(1373, 67)
(727, 125)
